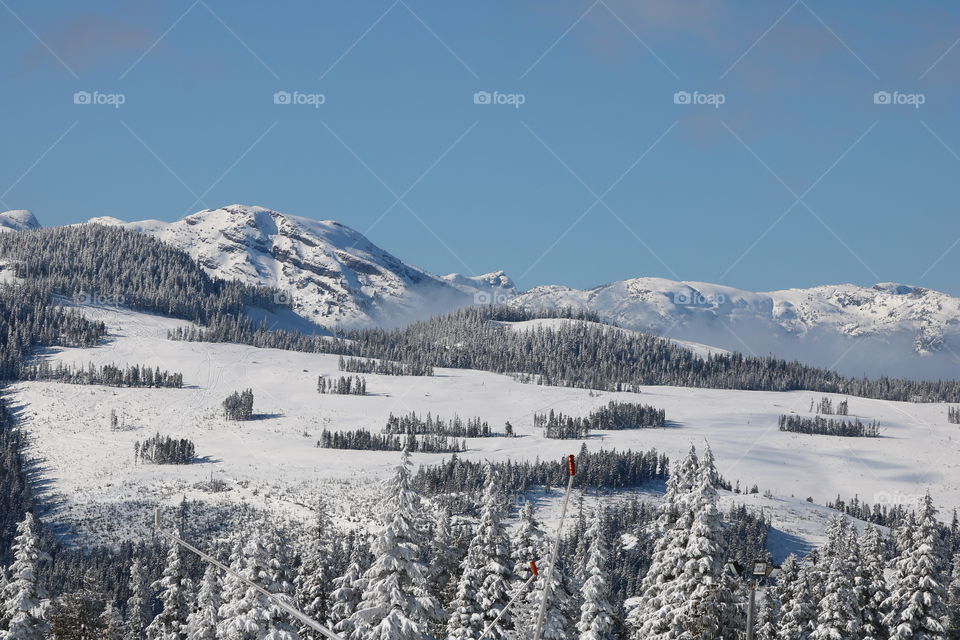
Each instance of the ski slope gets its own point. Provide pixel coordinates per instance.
(89, 475)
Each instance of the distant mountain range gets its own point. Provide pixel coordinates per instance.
(336, 278)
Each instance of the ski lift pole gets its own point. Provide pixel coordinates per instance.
(547, 587)
(533, 575)
(293, 611)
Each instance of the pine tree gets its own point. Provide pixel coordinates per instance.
(767, 623)
(313, 575)
(445, 555)
(174, 587)
(799, 614)
(839, 617)
(397, 603)
(24, 600)
(698, 595)
(202, 622)
(248, 614)
(953, 593)
(919, 598)
(112, 623)
(495, 570)
(138, 604)
(597, 616)
(870, 584)
(346, 594)
(654, 616)
(558, 618)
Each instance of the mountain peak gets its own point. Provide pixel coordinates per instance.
(18, 220)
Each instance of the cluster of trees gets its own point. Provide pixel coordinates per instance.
(577, 354)
(344, 385)
(606, 469)
(384, 367)
(131, 268)
(829, 427)
(29, 318)
(825, 406)
(614, 416)
(160, 449)
(953, 415)
(561, 427)
(864, 586)
(369, 441)
(412, 424)
(109, 375)
(238, 405)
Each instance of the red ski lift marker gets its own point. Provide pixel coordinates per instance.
(533, 568)
(572, 465)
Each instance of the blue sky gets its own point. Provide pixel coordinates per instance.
(798, 178)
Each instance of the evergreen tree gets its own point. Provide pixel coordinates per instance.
(313, 574)
(839, 617)
(798, 613)
(138, 605)
(397, 603)
(174, 587)
(346, 594)
(919, 598)
(871, 585)
(202, 622)
(23, 614)
(248, 614)
(767, 622)
(597, 614)
(558, 619)
(112, 623)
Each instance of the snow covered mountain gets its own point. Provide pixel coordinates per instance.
(17, 220)
(335, 277)
(889, 328)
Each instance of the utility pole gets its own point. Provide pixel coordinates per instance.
(290, 609)
(538, 630)
(761, 569)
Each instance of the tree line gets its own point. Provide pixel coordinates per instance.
(612, 417)
(108, 375)
(129, 268)
(829, 426)
(384, 367)
(576, 354)
(456, 427)
(364, 439)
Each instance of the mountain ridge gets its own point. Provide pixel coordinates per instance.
(338, 279)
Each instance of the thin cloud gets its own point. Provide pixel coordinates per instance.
(88, 41)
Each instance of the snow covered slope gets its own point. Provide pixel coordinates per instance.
(271, 461)
(18, 220)
(335, 276)
(889, 328)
